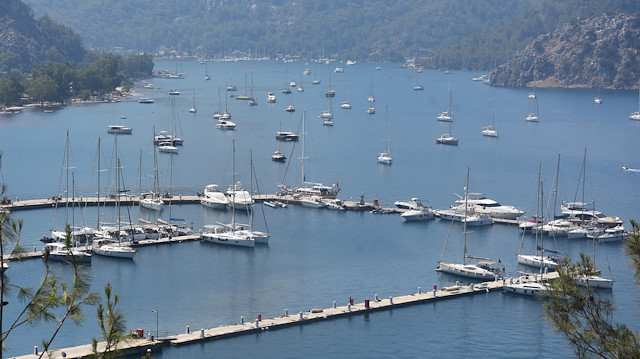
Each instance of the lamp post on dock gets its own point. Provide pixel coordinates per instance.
(156, 311)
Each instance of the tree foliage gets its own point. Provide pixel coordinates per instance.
(113, 326)
(584, 316)
(52, 296)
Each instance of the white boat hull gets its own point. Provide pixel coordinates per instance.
(115, 251)
(537, 261)
(530, 289)
(467, 271)
(595, 281)
(229, 239)
(417, 215)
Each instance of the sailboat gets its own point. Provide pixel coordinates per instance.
(594, 279)
(252, 100)
(167, 143)
(244, 96)
(636, 115)
(258, 236)
(286, 89)
(152, 200)
(309, 188)
(107, 248)
(533, 117)
(385, 157)
(290, 108)
(193, 109)
(327, 115)
(482, 270)
(224, 121)
(206, 71)
(447, 138)
(346, 105)
(491, 130)
(417, 86)
(330, 92)
(371, 110)
(222, 234)
(538, 260)
(447, 116)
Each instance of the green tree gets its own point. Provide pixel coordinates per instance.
(585, 317)
(10, 91)
(52, 295)
(44, 88)
(113, 325)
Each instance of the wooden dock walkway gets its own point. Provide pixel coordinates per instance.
(313, 315)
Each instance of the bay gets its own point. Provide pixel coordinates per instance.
(318, 256)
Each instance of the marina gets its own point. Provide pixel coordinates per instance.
(317, 255)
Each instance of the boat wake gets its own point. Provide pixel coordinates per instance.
(626, 168)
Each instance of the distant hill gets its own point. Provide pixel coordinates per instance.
(26, 41)
(347, 29)
(598, 52)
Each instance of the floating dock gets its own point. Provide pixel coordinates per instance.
(300, 318)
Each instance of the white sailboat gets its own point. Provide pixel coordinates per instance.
(193, 109)
(482, 270)
(105, 246)
(309, 188)
(491, 130)
(533, 116)
(447, 116)
(447, 138)
(538, 260)
(636, 115)
(222, 234)
(153, 200)
(385, 157)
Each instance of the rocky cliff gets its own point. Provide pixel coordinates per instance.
(599, 52)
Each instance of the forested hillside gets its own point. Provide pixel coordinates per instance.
(26, 41)
(347, 29)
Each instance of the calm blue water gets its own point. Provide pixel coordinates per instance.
(317, 256)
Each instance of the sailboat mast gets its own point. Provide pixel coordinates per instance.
(66, 188)
(233, 192)
(555, 187)
(464, 224)
(387, 127)
(98, 225)
(118, 197)
(304, 132)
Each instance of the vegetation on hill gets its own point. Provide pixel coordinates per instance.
(50, 63)
(456, 34)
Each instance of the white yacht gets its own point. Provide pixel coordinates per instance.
(286, 136)
(558, 227)
(585, 212)
(444, 116)
(119, 129)
(213, 197)
(312, 202)
(59, 252)
(458, 214)
(238, 197)
(479, 204)
(421, 214)
(532, 117)
(271, 97)
(617, 233)
(225, 124)
(414, 203)
(598, 100)
(345, 105)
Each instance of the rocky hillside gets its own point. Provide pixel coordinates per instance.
(598, 52)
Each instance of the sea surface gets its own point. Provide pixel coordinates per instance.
(317, 256)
